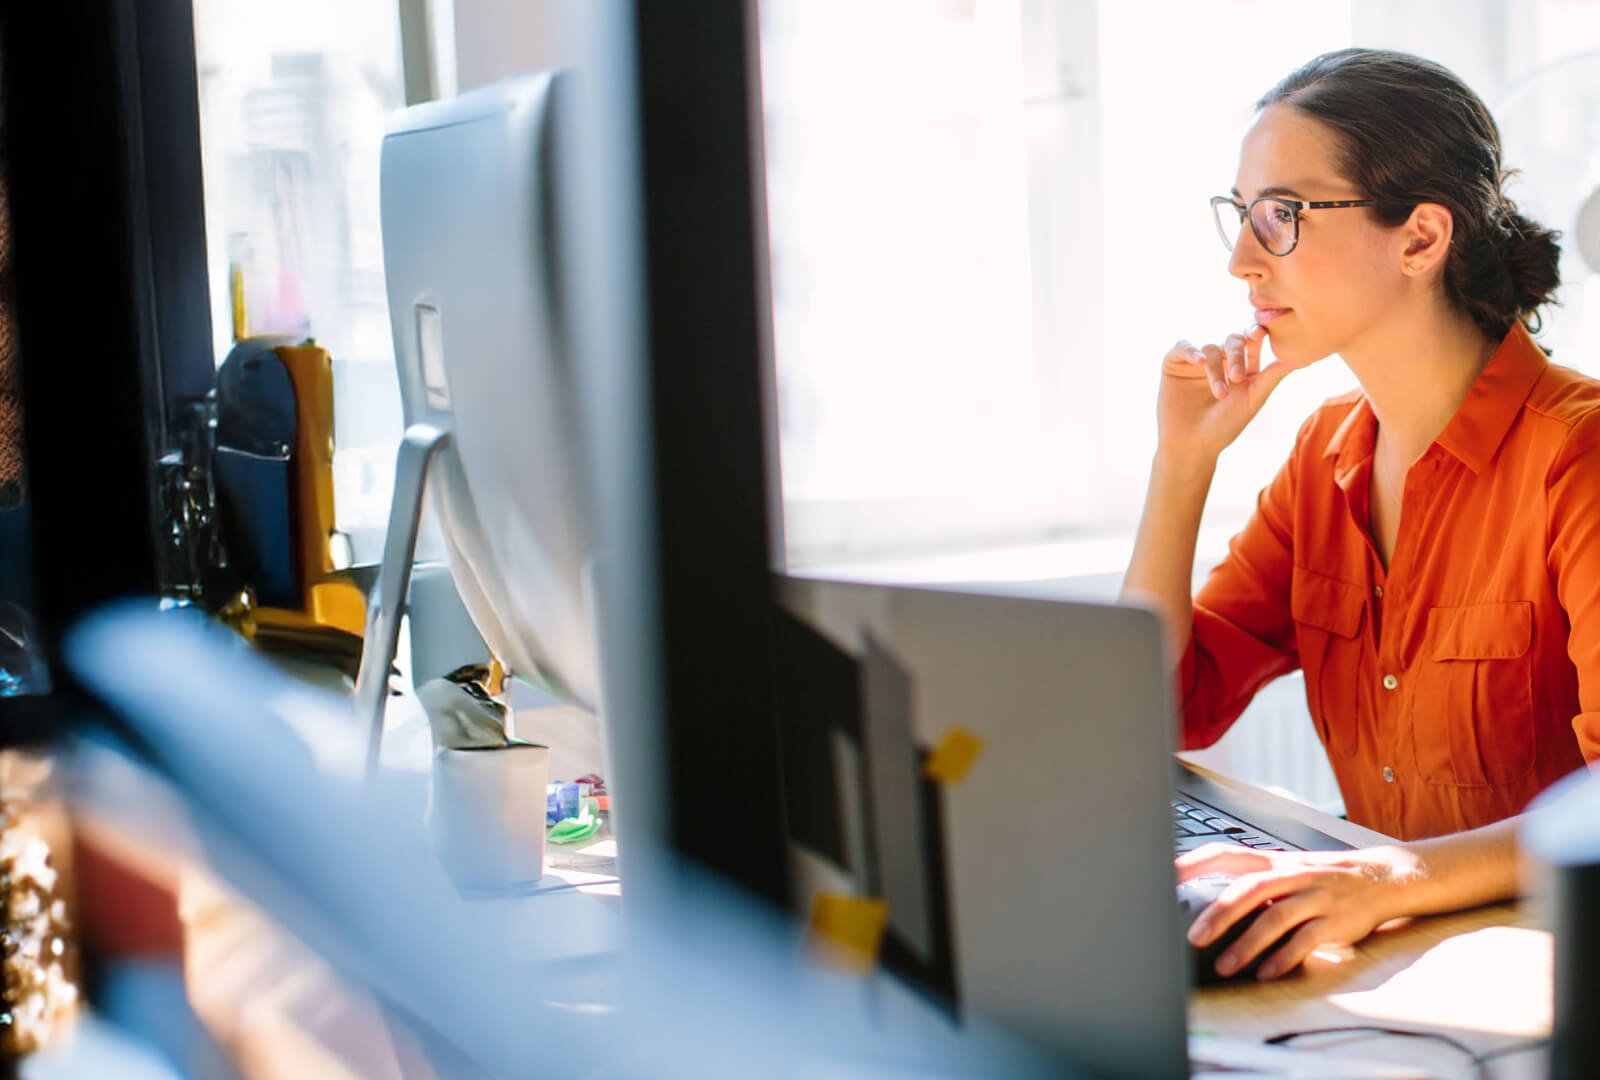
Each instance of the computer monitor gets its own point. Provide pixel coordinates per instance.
(471, 218)
(578, 305)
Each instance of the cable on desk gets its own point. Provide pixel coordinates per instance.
(1479, 1060)
(1514, 1048)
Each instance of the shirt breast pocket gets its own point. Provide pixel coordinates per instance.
(1472, 714)
(1327, 615)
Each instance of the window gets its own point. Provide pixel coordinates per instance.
(989, 223)
(294, 97)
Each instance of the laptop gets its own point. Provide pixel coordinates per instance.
(1034, 886)
(1205, 812)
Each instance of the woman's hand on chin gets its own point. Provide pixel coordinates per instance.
(1209, 393)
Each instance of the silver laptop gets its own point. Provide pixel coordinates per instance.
(1035, 886)
(1203, 812)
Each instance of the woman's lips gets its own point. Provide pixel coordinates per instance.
(1265, 316)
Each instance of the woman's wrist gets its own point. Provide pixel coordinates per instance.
(1186, 464)
(1406, 882)
(1449, 873)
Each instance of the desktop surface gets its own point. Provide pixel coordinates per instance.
(1482, 977)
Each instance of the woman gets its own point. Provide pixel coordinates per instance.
(1430, 553)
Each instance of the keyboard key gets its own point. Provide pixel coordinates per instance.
(1195, 825)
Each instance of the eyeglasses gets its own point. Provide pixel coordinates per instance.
(1275, 221)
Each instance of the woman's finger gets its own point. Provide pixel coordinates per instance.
(1244, 896)
(1220, 858)
(1311, 936)
(1215, 360)
(1253, 339)
(1234, 346)
(1272, 925)
(1265, 381)
(1186, 360)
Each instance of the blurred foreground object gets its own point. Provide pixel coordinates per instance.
(38, 957)
(22, 666)
(545, 984)
(1562, 832)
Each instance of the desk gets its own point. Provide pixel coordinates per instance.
(1482, 977)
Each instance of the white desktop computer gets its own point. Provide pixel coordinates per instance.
(576, 312)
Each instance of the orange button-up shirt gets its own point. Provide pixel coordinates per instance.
(1454, 687)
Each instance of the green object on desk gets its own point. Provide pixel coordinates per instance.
(573, 829)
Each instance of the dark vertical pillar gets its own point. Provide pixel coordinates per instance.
(698, 104)
(107, 257)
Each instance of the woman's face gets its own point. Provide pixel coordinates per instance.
(1343, 276)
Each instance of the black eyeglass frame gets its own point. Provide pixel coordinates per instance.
(1295, 206)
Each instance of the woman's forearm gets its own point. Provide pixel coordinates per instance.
(1161, 571)
(1460, 871)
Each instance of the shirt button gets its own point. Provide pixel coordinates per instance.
(1390, 682)
(1388, 774)
(1377, 590)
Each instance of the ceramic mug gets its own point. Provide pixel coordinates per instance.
(485, 816)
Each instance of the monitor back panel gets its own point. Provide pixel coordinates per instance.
(1056, 841)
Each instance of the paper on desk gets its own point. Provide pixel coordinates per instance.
(1467, 982)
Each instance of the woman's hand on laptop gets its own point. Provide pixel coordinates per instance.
(1318, 899)
(1210, 392)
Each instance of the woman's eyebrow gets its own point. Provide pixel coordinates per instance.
(1275, 190)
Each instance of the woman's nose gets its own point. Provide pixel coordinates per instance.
(1248, 257)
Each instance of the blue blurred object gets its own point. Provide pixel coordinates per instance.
(708, 983)
(560, 801)
(22, 666)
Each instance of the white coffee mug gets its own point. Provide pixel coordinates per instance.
(485, 816)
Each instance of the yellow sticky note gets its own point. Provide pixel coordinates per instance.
(950, 760)
(847, 931)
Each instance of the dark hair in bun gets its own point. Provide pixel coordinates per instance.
(1410, 132)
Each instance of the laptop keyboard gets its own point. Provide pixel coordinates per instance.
(1194, 823)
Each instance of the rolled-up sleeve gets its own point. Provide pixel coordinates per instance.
(1243, 634)
(1574, 563)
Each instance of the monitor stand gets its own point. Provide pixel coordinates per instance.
(387, 602)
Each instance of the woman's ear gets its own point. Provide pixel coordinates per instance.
(1426, 235)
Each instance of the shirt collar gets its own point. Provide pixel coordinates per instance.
(1480, 425)
(1353, 440)
(1475, 432)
